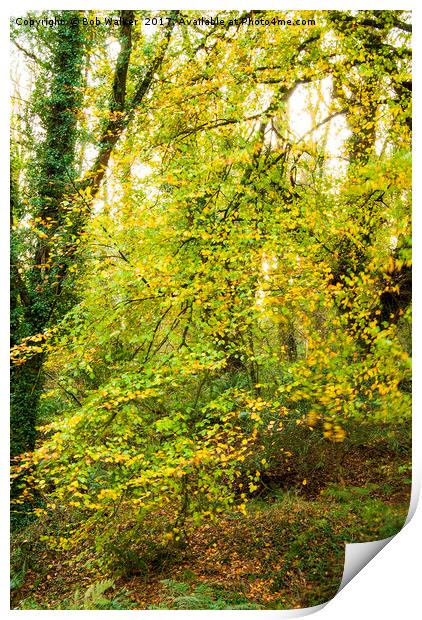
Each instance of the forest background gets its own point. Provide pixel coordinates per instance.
(295, 351)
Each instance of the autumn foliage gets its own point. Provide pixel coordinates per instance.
(230, 268)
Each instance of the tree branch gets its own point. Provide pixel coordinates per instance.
(119, 114)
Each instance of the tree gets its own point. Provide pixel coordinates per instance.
(233, 278)
(60, 204)
(34, 298)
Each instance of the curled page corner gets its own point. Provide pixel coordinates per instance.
(358, 555)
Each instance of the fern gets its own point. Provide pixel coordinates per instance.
(94, 598)
(175, 587)
(203, 596)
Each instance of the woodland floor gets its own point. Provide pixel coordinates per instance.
(287, 552)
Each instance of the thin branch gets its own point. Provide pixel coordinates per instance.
(323, 122)
(30, 55)
(120, 118)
